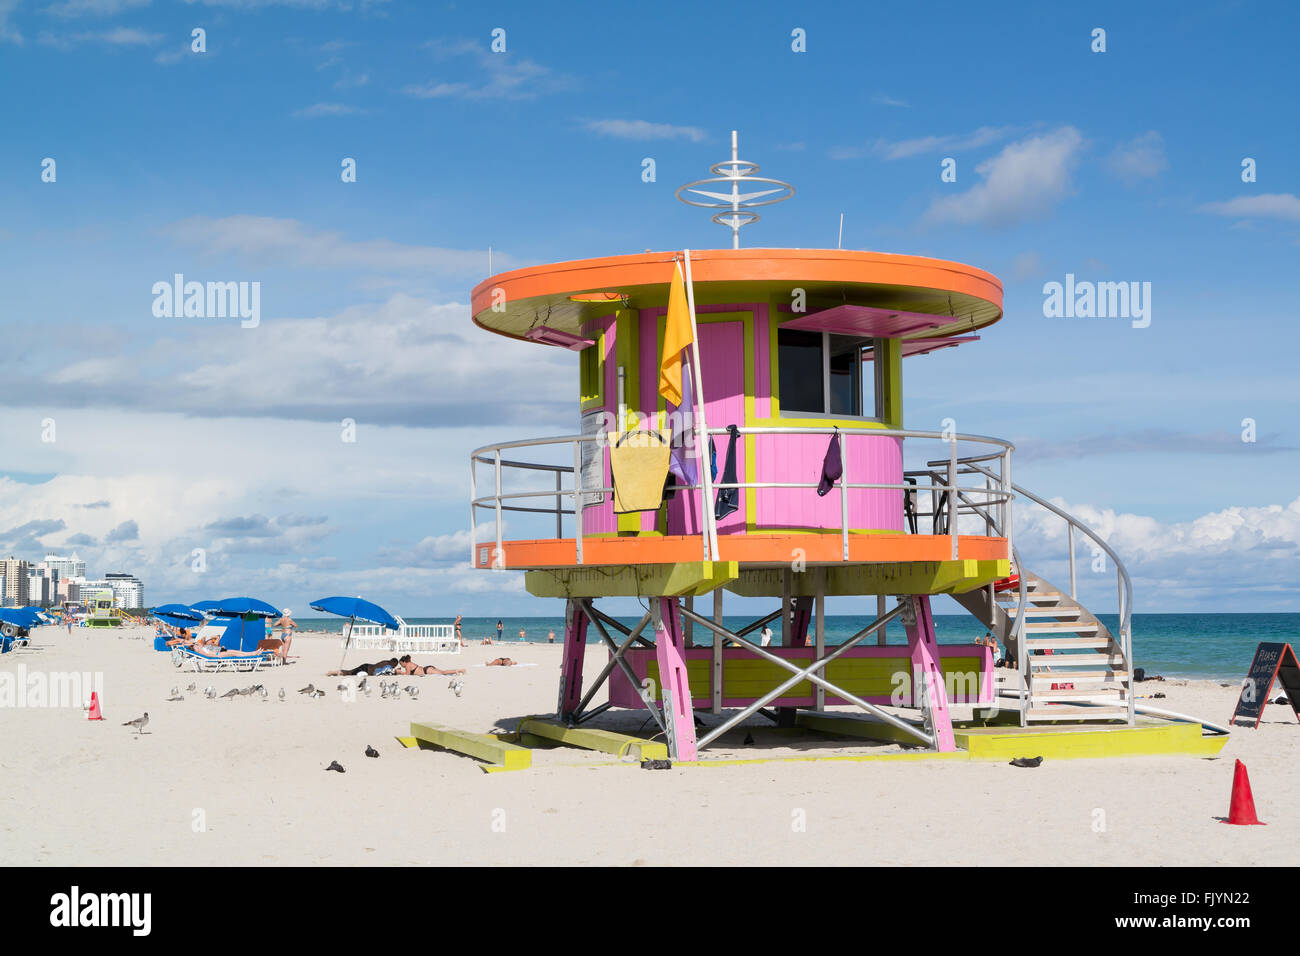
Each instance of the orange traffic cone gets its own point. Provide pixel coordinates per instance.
(1241, 812)
(94, 707)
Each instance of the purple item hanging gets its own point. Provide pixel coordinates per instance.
(832, 466)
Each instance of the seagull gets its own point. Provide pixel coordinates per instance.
(334, 765)
(232, 693)
(192, 688)
(363, 687)
(281, 693)
(457, 685)
(371, 751)
(209, 692)
(175, 691)
(309, 689)
(262, 690)
(342, 689)
(412, 690)
(178, 697)
(139, 723)
(383, 691)
(316, 693)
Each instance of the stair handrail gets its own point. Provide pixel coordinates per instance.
(1122, 575)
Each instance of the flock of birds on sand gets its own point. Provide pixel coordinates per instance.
(389, 690)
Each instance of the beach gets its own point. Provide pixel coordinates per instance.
(242, 782)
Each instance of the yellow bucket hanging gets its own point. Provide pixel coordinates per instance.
(638, 461)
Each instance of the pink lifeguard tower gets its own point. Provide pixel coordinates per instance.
(794, 351)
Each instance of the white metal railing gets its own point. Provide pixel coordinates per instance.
(1123, 581)
(993, 491)
(427, 638)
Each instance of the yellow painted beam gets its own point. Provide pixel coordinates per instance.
(641, 580)
(904, 577)
(506, 756)
(588, 738)
(1062, 743)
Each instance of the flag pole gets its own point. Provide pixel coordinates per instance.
(701, 426)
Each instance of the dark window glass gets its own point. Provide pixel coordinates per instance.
(799, 370)
(846, 375)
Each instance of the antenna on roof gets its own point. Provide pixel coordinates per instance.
(735, 203)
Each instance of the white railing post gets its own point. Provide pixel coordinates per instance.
(952, 494)
(1074, 593)
(577, 497)
(473, 514)
(559, 504)
(498, 557)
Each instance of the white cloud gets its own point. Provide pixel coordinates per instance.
(495, 75)
(907, 148)
(1023, 182)
(1140, 158)
(69, 9)
(883, 99)
(116, 37)
(328, 109)
(9, 34)
(1238, 558)
(271, 241)
(1264, 206)
(643, 130)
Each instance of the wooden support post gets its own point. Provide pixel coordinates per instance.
(926, 673)
(880, 612)
(689, 603)
(785, 608)
(575, 647)
(669, 645)
(800, 618)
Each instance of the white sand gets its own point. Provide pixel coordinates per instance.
(80, 793)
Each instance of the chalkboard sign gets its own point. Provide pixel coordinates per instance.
(1271, 661)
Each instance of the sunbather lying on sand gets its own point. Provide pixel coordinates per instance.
(501, 662)
(406, 666)
(371, 670)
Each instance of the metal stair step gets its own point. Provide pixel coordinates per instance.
(1062, 627)
(1049, 611)
(1031, 595)
(1053, 677)
(1066, 712)
(1107, 692)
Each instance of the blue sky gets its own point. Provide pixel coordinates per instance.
(224, 165)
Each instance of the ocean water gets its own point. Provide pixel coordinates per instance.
(1174, 645)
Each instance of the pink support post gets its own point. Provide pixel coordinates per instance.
(927, 676)
(669, 648)
(575, 646)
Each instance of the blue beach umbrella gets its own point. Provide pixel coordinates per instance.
(355, 609)
(238, 607)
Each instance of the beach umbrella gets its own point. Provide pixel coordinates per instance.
(238, 607)
(205, 607)
(355, 609)
(179, 611)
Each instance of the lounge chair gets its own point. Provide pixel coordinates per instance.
(211, 663)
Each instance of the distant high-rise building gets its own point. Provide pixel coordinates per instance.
(15, 573)
(72, 567)
(128, 591)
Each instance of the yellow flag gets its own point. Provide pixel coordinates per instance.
(677, 335)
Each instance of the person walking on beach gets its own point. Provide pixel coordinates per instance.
(521, 633)
(550, 636)
(460, 638)
(286, 625)
(500, 631)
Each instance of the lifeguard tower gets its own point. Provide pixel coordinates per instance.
(793, 351)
